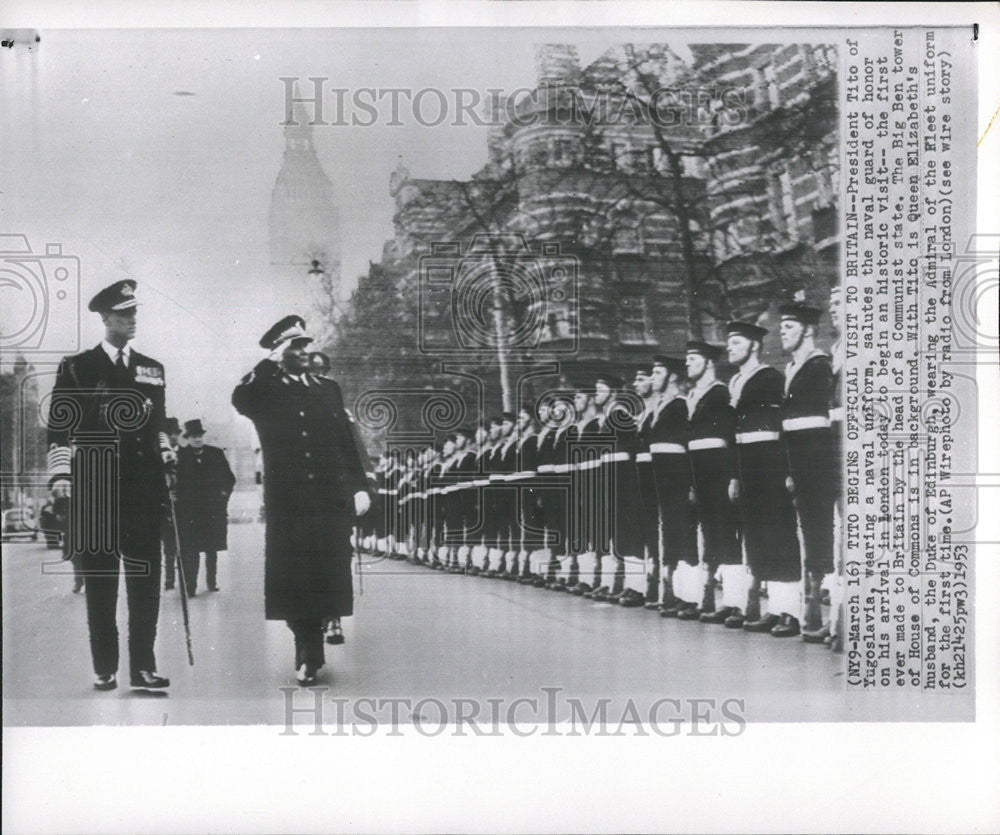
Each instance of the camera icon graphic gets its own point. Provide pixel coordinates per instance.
(40, 296)
(498, 293)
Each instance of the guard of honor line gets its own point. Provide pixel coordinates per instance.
(658, 494)
(677, 493)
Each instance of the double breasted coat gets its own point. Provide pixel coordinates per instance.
(204, 484)
(311, 472)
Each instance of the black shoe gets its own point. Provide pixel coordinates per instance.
(691, 612)
(615, 597)
(77, 587)
(213, 588)
(192, 593)
(334, 635)
(735, 620)
(817, 636)
(306, 676)
(631, 599)
(592, 593)
(652, 605)
(105, 683)
(719, 615)
(765, 624)
(788, 628)
(673, 610)
(145, 680)
(168, 586)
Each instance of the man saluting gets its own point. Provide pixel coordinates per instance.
(114, 391)
(314, 485)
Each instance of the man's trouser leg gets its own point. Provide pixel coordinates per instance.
(101, 572)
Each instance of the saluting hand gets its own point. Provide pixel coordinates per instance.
(361, 503)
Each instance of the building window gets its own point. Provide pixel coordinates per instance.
(634, 325)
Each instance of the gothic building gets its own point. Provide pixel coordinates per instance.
(686, 193)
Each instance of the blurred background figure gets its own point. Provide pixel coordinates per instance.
(204, 484)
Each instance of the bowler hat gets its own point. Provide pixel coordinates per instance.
(193, 427)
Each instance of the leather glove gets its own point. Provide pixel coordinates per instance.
(168, 456)
(361, 503)
(734, 490)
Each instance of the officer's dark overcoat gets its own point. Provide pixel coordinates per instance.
(311, 472)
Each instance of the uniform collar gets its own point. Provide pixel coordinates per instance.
(112, 351)
(739, 380)
(794, 368)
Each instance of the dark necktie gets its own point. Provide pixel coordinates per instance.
(120, 362)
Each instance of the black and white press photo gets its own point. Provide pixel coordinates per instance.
(489, 382)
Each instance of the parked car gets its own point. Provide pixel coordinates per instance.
(19, 524)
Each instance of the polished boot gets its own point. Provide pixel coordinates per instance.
(333, 632)
(631, 599)
(816, 636)
(145, 680)
(787, 628)
(719, 615)
(105, 683)
(689, 611)
(765, 624)
(735, 620)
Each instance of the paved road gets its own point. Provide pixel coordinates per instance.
(416, 633)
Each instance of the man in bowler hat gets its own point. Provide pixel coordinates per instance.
(204, 484)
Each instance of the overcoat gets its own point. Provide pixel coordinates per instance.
(311, 472)
(204, 484)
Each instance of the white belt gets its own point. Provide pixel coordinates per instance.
(433, 491)
(706, 443)
(837, 413)
(496, 477)
(418, 495)
(521, 475)
(382, 491)
(451, 488)
(643, 456)
(481, 482)
(546, 468)
(812, 422)
(588, 465)
(756, 437)
(662, 446)
(615, 456)
(561, 468)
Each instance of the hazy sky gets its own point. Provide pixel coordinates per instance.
(102, 155)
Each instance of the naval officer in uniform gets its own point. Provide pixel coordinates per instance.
(93, 387)
(314, 485)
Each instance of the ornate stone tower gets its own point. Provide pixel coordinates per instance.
(303, 223)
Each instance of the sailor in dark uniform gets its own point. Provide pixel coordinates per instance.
(831, 633)
(583, 459)
(668, 436)
(462, 498)
(92, 387)
(562, 416)
(315, 485)
(480, 524)
(529, 530)
(712, 424)
(506, 497)
(649, 526)
(619, 420)
(770, 538)
(809, 445)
